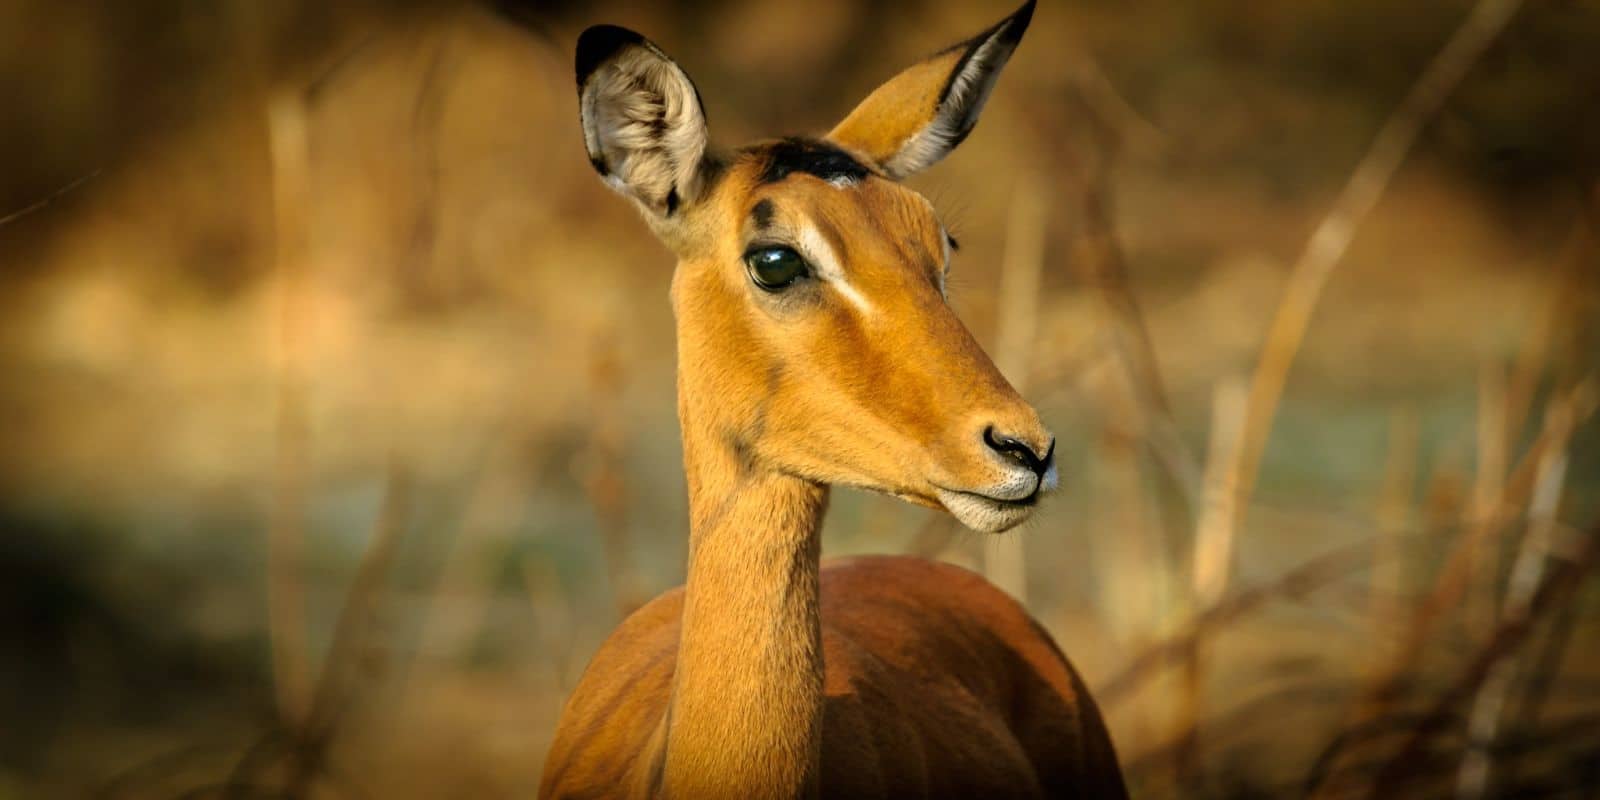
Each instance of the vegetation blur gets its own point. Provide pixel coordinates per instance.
(338, 416)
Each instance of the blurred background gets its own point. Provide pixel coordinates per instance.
(338, 425)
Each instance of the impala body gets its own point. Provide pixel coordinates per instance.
(815, 348)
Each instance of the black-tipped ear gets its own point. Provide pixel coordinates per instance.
(643, 124)
(598, 43)
(920, 115)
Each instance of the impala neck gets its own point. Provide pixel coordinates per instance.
(746, 709)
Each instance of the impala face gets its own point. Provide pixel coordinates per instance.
(814, 336)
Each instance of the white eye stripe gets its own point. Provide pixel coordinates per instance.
(814, 246)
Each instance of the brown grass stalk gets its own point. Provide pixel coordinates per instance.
(1098, 258)
(1005, 562)
(1213, 551)
(1137, 603)
(1526, 572)
(427, 117)
(1101, 260)
(1240, 605)
(1453, 579)
(352, 632)
(299, 753)
(1116, 128)
(1533, 354)
(1480, 545)
(1326, 249)
(1543, 669)
(288, 140)
(495, 503)
(1444, 495)
(1231, 725)
(1394, 517)
(1556, 588)
(1327, 245)
(1213, 556)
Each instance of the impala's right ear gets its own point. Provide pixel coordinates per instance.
(643, 124)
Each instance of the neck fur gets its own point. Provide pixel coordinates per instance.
(745, 715)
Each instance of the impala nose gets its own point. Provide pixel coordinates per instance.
(1015, 449)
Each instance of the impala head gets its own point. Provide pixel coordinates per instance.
(814, 337)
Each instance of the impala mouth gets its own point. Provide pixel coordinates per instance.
(1018, 502)
(985, 513)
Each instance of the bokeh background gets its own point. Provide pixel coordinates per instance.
(337, 423)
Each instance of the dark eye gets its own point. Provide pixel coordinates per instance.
(773, 268)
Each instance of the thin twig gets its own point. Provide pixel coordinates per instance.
(1113, 110)
(1298, 582)
(45, 201)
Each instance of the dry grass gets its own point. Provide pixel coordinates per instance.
(389, 251)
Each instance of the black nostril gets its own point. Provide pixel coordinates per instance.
(1019, 452)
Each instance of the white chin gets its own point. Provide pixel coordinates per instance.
(986, 516)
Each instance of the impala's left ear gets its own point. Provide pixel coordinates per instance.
(921, 114)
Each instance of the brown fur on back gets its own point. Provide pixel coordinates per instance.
(937, 685)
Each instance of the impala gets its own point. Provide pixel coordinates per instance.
(816, 348)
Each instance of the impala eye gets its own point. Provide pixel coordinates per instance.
(774, 268)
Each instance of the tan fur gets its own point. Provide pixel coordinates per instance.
(896, 112)
(768, 676)
(920, 115)
(937, 685)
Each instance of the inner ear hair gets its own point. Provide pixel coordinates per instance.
(643, 124)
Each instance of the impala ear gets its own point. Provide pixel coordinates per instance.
(643, 124)
(921, 114)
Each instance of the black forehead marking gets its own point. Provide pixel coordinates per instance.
(761, 215)
(796, 154)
